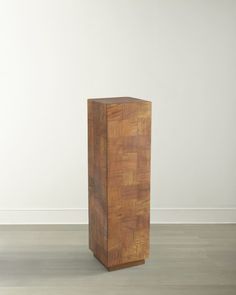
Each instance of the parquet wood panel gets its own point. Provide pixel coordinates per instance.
(119, 179)
(97, 179)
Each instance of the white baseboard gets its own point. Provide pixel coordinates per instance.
(80, 215)
(44, 216)
(193, 215)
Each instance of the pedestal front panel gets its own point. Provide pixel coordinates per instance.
(119, 180)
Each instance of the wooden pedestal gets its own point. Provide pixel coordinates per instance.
(119, 137)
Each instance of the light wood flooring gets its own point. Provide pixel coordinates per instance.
(54, 259)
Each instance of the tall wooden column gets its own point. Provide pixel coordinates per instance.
(119, 137)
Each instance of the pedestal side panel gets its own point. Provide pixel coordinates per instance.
(128, 183)
(97, 171)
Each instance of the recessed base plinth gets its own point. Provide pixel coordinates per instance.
(120, 266)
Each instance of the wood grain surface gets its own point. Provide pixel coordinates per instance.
(119, 138)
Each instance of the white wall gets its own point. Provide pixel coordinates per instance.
(55, 54)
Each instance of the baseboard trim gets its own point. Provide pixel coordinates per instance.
(193, 215)
(44, 216)
(80, 215)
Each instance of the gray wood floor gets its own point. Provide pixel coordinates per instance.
(54, 259)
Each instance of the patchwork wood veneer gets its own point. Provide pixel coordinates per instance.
(119, 139)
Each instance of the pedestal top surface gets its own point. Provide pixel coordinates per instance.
(115, 100)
